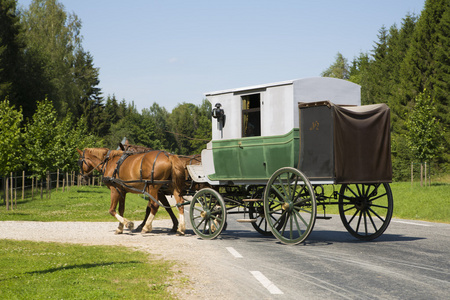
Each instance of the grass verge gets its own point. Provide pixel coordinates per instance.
(431, 203)
(30, 270)
(91, 203)
(85, 203)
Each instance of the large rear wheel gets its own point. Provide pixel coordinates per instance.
(366, 209)
(290, 205)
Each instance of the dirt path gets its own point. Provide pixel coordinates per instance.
(188, 251)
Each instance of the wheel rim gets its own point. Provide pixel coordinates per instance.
(365, 209)
(207, 213)
(290, 206)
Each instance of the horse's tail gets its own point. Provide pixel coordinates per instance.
(178, 172)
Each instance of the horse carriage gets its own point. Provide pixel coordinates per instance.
(278, 151)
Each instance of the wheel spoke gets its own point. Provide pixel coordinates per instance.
(297, 214)
(359, 221)
(298, 225)
(381, 219)
(371, 219)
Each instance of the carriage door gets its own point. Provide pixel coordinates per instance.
(251, 115)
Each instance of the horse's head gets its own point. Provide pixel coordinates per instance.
(90, 159)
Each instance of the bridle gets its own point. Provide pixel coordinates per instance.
(82, 160)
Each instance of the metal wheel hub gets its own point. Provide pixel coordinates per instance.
(362, 203)
(206, 214)
(288, 206)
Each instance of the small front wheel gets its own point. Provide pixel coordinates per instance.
(208, 213)
(290, 205)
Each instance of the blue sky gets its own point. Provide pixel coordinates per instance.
(170, 52)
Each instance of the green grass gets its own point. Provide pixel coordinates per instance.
(85, 203)
(30, 270)
(91, 203)
(431, 203)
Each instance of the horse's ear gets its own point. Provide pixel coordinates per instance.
(79, 152)
(122, 147)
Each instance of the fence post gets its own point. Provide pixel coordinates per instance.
(57, 179)
(7, 194)
(4, 189)
(46, 184)
(425, 173)
(12, 191)
(42, 189)
(23, 185)
(32, 188)
(421, 174)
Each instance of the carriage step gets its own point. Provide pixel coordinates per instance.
(246, 220)
(251, 200)
(324, 218)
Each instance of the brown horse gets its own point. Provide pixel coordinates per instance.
(195, 159)
(86, 169)
(146, 173)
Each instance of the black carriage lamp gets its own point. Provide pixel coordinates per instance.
(218, 113)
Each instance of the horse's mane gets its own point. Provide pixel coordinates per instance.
(97, 152)
(134, 148)
(114, 153)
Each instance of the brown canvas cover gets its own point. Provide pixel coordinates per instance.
(362, 144)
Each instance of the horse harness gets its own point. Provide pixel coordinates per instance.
(115, 180)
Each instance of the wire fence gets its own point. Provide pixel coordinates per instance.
(22, 185)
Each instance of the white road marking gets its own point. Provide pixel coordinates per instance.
(234, 252)
(411, 223)
(266, 283)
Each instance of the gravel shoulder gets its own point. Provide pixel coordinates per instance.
(188, 252)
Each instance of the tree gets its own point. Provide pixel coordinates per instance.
(11, 138)
(359, 74)
(163, 139)
(424, 131)
(10, 50)
(54, 44)
(39, 140)
(67, 139)
(339, 69)
(202, 133)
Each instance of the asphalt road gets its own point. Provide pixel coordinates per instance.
(411, 260)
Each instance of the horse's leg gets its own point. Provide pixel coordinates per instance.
(153, 209)
(162, 198)
(147, 213)
(116, 197)
(182, 223)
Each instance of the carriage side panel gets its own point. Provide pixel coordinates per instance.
(254, 158)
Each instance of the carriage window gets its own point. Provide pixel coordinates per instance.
(251, 115)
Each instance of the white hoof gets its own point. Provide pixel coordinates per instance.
(147, 229)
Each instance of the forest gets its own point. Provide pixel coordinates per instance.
(51, 101)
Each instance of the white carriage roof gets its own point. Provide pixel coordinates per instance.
(253, 87)
(268, 85)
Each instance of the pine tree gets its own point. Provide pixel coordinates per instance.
(10, 49)
(339, 69)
